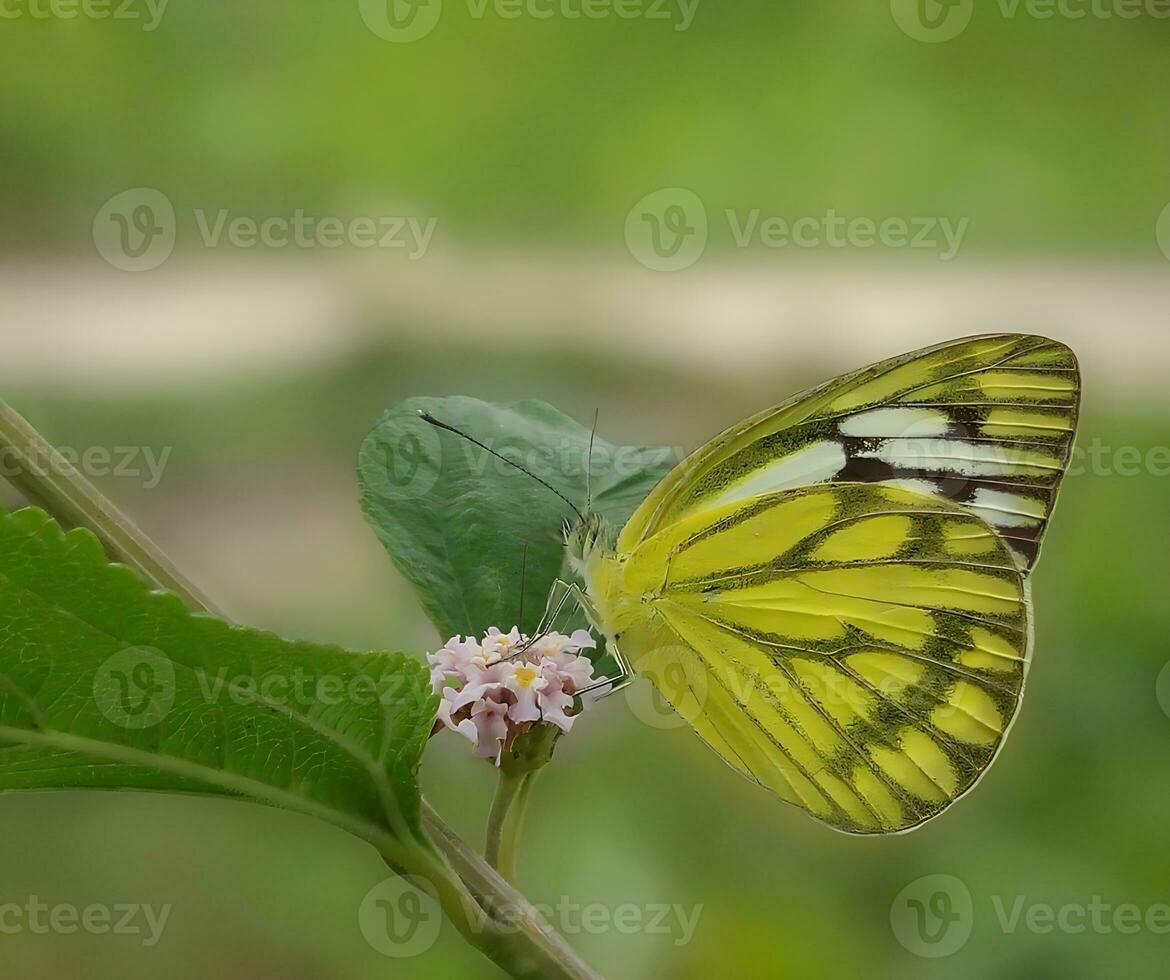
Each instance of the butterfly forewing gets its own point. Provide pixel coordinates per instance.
(858, 649)
(987, 422)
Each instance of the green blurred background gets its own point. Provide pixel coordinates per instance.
(530, 140)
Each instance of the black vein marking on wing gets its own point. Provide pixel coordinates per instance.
(951, 385)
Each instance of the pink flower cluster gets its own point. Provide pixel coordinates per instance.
(495, 689)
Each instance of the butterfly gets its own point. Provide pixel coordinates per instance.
(834, 592)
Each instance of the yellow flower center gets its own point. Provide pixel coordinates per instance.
(525, 676)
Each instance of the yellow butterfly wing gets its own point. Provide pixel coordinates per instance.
(833, 592)
(859, 650)
(985, 421)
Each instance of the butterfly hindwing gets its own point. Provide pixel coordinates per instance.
(860, 650)
(987, 422)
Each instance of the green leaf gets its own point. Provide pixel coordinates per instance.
(457, 521)
(105, 684)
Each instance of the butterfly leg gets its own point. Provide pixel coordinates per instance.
(550, 615)
(625, 671)
(612, 684)
(558, 595)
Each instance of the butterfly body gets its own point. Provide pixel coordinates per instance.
(834, 592)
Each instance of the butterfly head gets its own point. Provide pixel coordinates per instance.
(585, 536)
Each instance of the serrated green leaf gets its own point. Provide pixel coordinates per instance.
(105, 684)
(457, 521)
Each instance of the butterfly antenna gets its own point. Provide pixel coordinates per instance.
(589, 462)
(523, 577)
(428, 417)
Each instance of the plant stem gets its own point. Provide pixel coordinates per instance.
(507, 904)
(509, 856)
(487, 911)
(49, 480)
(493, 918)
(506, 819)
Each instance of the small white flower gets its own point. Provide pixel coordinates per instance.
(490, 721)
(453, 659)
(568, 667)
(499, 646)
(544, 646)
(580, 640)
(489, 695)
(481, 682)
(447, 708)
(525, 682)
(553, 702)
